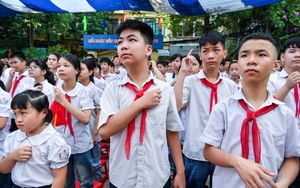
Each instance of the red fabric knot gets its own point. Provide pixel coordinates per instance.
(213, 93)
(251, 116)
(296, 97)
(16, 83)
(61, 116)
(131, 125)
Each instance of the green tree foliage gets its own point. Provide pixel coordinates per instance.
(21, 30)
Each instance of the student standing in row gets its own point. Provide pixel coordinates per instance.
(19, 79)
(72, 111)
(139, 115)
(199, 93)
(252, 137)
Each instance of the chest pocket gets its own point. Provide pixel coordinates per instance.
(272, 142)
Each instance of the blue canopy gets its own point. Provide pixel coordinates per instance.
(180, 7)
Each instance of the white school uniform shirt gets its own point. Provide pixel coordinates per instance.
(170, 77)
(95, 95)
(122, 73)
(279, 135)
(276, 81)
(48, 90)
(5, 111)
(80, 99)
(197, 95)
(100, 83)
(148, 165)
(49, 151)
(5, 75)
(26, 82)
(109, 78)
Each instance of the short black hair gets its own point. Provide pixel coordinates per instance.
(174, 56)
(107, 60)
(145, 30)
(163, 63)
(292, 42)
(261, 36)
(213, 37)
(34, 98)
(20, 55)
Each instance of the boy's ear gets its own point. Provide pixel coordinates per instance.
(225, 54)
(277, 65)
(282, 57)
(148, 50)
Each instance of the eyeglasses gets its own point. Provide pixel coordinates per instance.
(32, 68)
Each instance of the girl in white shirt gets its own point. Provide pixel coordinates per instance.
(35, 154)
(72, 109)
(44, 79)
(86, 78)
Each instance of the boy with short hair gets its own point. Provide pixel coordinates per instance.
(118, 69)
(18, 80)
(105, 63)
(285, 83)
(199, 93)
(140, 117)
(251, 137)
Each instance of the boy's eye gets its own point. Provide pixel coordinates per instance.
(243, 55)
(119, 42)
(262, 55)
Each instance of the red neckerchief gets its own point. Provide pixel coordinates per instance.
(61, 116)
(16, 82)
(131, 125)
(213, 93)
(296, 97)
(251, 116)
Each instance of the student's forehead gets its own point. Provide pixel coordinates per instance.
(130, 32)
(257, 44)
(211, 45)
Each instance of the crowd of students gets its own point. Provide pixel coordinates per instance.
(212, 121)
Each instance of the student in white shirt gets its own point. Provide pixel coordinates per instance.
(252, 138)
(118, 69)
(86, 78)
(199, 93)
(44, 79)
(234, 74)
(106, 75)
(72, 112)
(140, 130)
(35, 154)
(285, 84)
(18, 80)
(5, 112)
(52, 61)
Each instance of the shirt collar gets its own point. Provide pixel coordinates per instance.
(270, 99)
(283, 73)
(126, 79)
(74, 91)
(201, 75)
(39, 139)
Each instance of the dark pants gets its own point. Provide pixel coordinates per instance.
(196, 172)
(5, 181)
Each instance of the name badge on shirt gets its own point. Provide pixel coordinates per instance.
(4, 100)
(64, 155)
